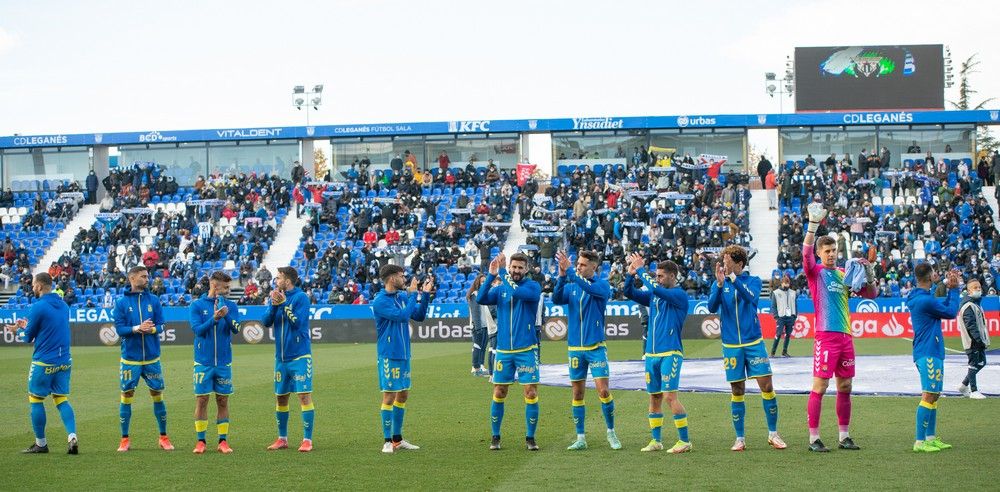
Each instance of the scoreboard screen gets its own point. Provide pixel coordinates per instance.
(869, 78)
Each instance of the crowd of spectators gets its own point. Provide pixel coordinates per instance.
(429, 221)
(923, 210)
(181, 234)
(684, 213)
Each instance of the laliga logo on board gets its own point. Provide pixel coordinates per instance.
(701, 307)
(867, 306)
(555, 329)
(310, 130)
(710, 328)
(253, 332)
(994, 115)
(98, 138)
(761, 119)
(533, 124)
(108, 335)
(894, 328)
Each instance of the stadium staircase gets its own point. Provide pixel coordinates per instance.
(764, 229)
(516, 236)
(989, 193)
(285, 243)
(64, 242)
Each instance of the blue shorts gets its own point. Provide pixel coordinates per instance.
(49, 379)
(596, 359)
(663, 374)
(151, 373)
(931, 371)
(393, 374)
(524, 363)
(742, 363)
(294, 376)
(213, 379)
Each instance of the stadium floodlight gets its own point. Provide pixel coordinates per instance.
(786, 85)
(310, 99)
(949, 79)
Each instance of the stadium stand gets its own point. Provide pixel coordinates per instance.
(683, 213)
(432, 222)
(32, 214)
(181, 234)
(923, 210)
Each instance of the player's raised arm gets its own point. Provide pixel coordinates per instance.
(748, 291)
(200, 323)
(949, 308)
(635, 261)
(527, 291)
(487, 294)
(298, 313)
(715, 296)
(386, 308)
(597, 288)
(232, 317)
(420, 311)
(559, 291)
(816, 214)
(270, 313)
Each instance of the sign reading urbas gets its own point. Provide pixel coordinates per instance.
(869, 78)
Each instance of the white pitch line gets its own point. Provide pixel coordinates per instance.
(946, 348)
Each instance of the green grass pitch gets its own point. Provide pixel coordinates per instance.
(448, 415)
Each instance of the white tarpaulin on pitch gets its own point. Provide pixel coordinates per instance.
(887, 375)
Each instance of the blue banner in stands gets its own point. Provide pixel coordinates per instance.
(505, 126)
(350, 311)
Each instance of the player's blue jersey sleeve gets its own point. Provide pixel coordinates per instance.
(30, 331)
(200, 324)
(123, 325)
(637, 295)
(596, 288)
(559, 291)
(714, 298)
(420, 312)
(301, 313)
(386, 308)
(233, 317)
(487, 294)
(748, 288)
(527, 291)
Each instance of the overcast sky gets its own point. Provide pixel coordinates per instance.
(77, 67)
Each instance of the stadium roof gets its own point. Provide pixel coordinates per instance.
(749, 121)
